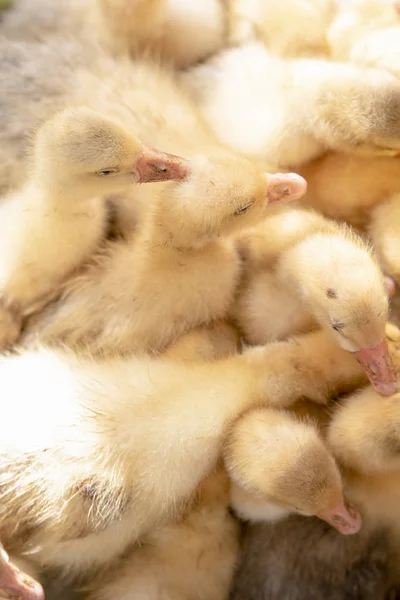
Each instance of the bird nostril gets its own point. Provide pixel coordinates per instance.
(159, 168)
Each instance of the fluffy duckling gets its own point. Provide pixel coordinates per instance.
(303, 34)
(288, 112)
(80, 486)
(74, 76)
(361, 433)
(154, 104)
(183, 243)
(79, 158)
(363, 191)
(280, 465)
(363, 430)
(178, 238)
(16, 584)
(364, 436)
(301, 270)
(205, 540)
(193, 558)
(366, 32)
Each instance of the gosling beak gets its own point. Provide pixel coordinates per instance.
(153, 166)
(379, 368)
(15, 584)
(285, 186)
(345, 519)
(390, 286)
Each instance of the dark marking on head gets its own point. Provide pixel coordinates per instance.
(331, 293)
(392, 443)
(301, 483)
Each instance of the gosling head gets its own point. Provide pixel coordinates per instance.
(283, 462)
(311, 485)
(97, 155)
(222, 194)
(345, 287)
(364, 433)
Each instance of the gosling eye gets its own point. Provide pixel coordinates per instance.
(243, 209)
(107, 171)
(337, 326)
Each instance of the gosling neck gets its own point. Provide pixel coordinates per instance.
(59, 192)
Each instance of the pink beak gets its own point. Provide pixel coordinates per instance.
(344, 518)
(379, 368)
(285, 186)
(390, 286)
(153, 165)
(17, 585)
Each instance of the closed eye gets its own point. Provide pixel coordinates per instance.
(243, 209)
(109, 171)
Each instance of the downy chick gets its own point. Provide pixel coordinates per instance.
(364, 435)
(183, 249)
(81, 485)
(195, 557)
(301, 271)
(56, 221)
(303, 559)
(144, 97)
(364, 191)
(181, 228)
(290, 29)
(363, 431)
(288, 112)
(279, 465)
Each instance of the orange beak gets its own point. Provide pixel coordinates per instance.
(379, 368)
(344, 518)
(390, 286)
